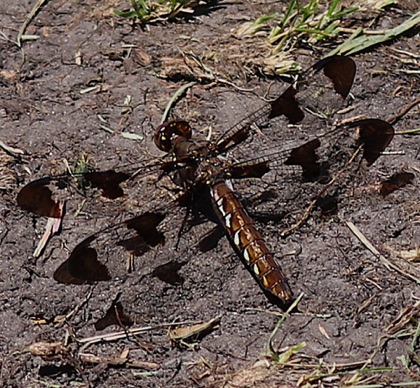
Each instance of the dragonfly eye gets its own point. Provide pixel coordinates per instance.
(168, 131)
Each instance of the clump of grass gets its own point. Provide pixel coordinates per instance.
(311, 23)
(149, 11)
(317, 22)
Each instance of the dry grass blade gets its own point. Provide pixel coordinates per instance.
(129, 333)
(34, 11)
(412, 255)
(51, 350)
(404, 317)
(383, 260)
(118, 361)
(11, 150)
(187, 335)
(184, 332)
(395, 118)
(53, 226)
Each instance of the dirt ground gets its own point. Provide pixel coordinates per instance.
(358, 316)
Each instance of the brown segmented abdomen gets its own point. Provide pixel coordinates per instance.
(249, 242)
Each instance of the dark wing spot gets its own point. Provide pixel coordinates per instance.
(395, 182)
(107, 181)
(306, 157)
(114, 316)
(341, 71)
(255, 170)
(168, 273)
(375, 135)
(82, 266)
(287, 105)
(36, 198)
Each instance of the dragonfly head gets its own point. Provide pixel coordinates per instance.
(167, 132)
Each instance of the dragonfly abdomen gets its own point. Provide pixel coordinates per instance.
(249, 242)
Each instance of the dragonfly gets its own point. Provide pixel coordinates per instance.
(292, 141)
